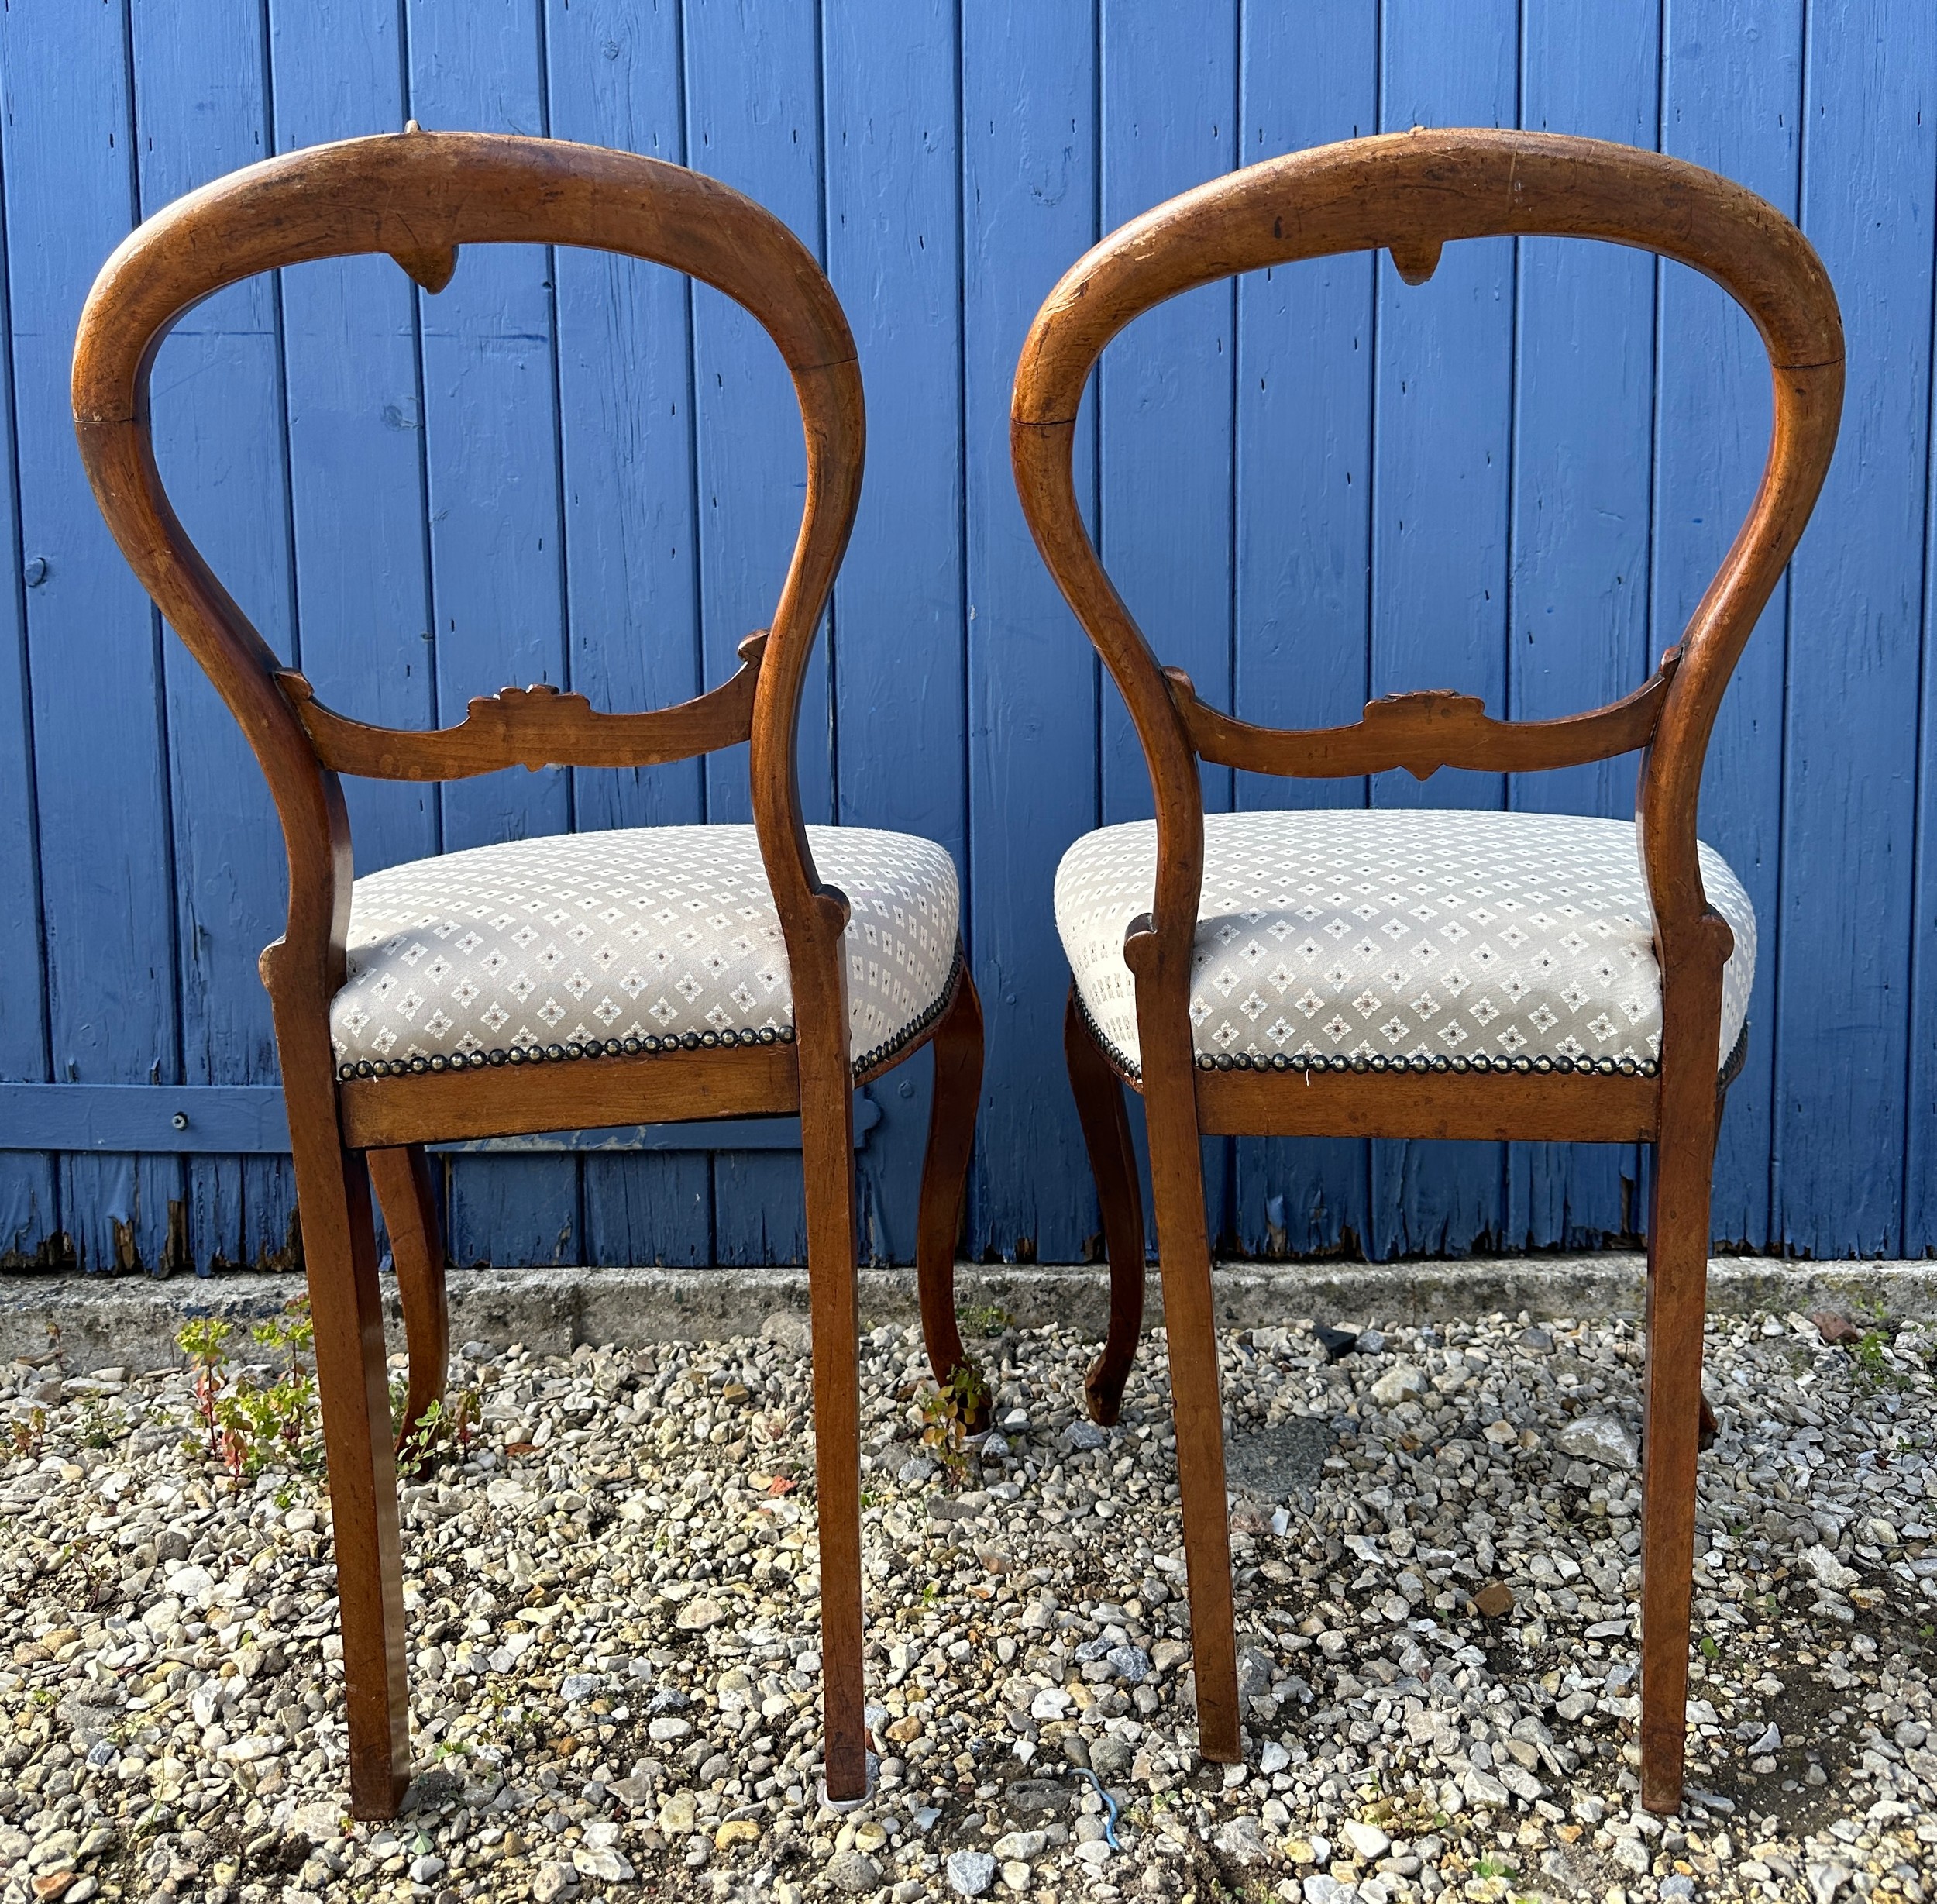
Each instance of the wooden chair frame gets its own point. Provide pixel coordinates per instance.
(419, 197)
(1410, 194)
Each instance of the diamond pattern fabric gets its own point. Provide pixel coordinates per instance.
(650, 938)
(1409, 941)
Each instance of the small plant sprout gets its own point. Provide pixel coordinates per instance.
(950, 1414)
(205, 1342)
(249, 1426)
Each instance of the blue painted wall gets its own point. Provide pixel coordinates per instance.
(1314, 486)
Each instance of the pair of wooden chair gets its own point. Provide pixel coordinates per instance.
(702, 973)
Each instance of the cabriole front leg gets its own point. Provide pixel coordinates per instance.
(1105, 1118)
(402, 1181)
(944, 1180)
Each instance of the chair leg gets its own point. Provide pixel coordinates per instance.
(1190, 1321)
(1112, 1163)
(339, 1248)
(944, 1178)
(827, 1149)
(1672, 1426)
(402, 1180)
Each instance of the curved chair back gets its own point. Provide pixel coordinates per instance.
(419, 196)
(1410, 194)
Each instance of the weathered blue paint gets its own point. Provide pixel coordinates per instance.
(1442, 461)
(1316, 486)
(247, 1122)
(631, 577)
(1303, 603)
(1578, 588)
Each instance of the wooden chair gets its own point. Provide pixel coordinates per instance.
(421, 1004)
(1462, 1010)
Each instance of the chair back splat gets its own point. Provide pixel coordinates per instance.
(1416, 1045)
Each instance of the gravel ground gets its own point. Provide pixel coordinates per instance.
(613, 1596)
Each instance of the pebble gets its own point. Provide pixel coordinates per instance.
(853, 1872)
(616, 1674)
(1600, 1438)
(554, 1880)
(1404, 1383)
(970, 1873)
(1367, 1840)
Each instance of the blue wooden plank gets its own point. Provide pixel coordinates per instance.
(1029, 210)
(893, 253)
(93, 639)
(355, 428)
(237, 1120)
(754, 119)
(201, 103)
(625, 418)
(496, 534)
(1440, 532)
(1732, 97)
(1584, 398)
(229, 1120)
(1164, 400)
(1303, 424)
(1920, 1149)
(1870, 143)
(354, 423)
(29, 1207)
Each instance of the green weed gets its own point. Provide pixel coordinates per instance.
(29, 1435)
(247, 1425)
(947, 1414)
(984, 1319)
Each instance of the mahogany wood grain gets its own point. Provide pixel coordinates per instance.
(401, 1178)
(531, 727)
(944, 1175)
(1424, 731)
(1508, 1106)
(419, 196)
(1099, 1092)
(575, 1094)
(1412, 194)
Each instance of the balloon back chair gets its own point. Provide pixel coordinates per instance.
(602, 978)
(1502, 976)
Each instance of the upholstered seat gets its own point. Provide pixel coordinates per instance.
(651, 938)
(1410, 941)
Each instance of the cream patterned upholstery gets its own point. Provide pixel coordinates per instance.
(649, 939)
(1404, 941)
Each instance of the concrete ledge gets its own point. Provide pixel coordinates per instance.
(131, 1321)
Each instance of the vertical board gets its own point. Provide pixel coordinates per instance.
(893, 186)
(1731, 90)
(1584, 417)
(754, 119)
(1443, 397)
(1304, 446)
(1856, 609)
(1920, 1149)
(497, 558)
(625, 422)
(354, 424)
(1029, 211)
(1164, 408)
(356, 427)
(29, 1209)
(201, 104)
(93, 641)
